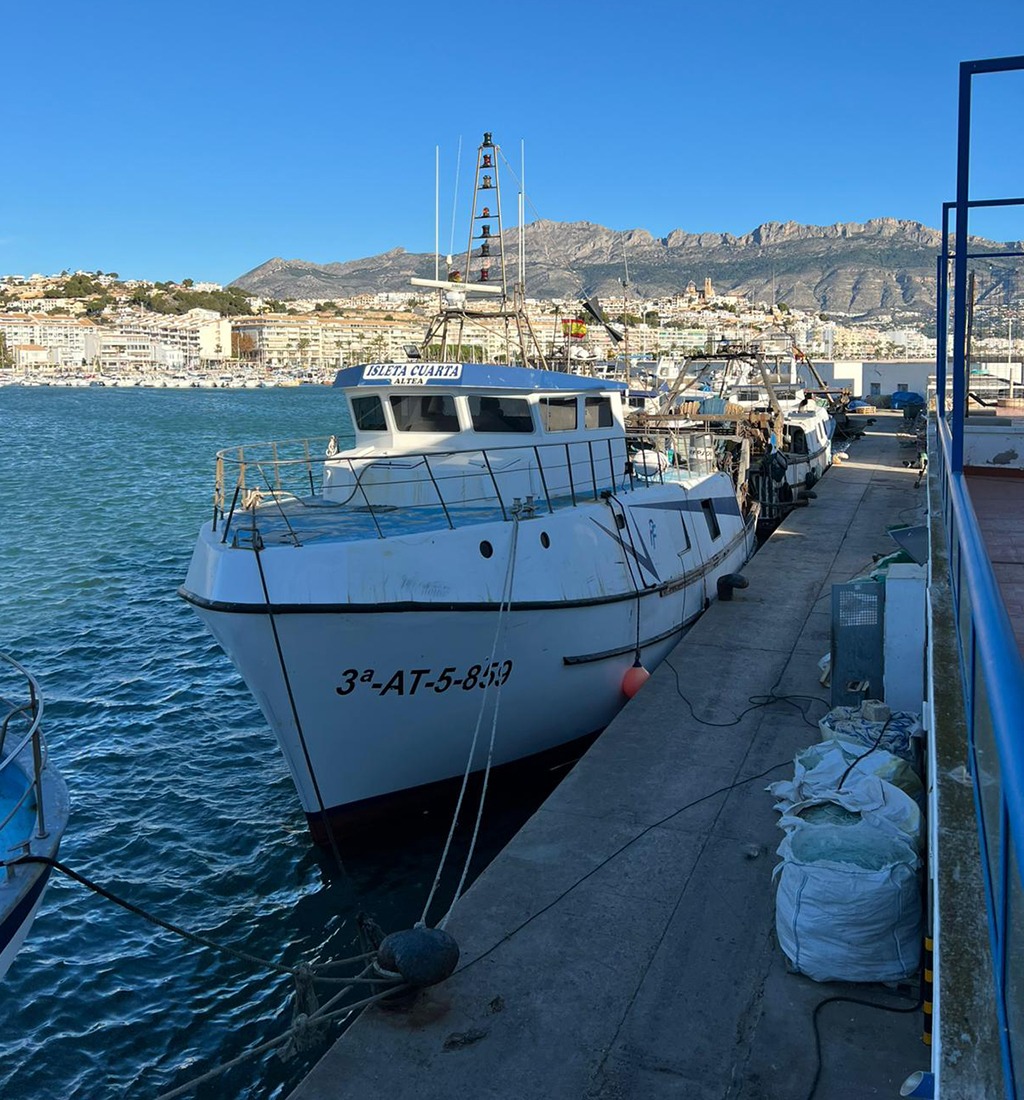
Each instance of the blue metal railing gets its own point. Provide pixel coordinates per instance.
(991, 664)
(993, 678)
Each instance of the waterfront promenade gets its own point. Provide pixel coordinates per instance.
(623, 944)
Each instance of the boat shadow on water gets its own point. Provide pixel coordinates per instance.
(403, 842)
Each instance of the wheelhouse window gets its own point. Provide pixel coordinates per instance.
(500, 414)
(558, 414)
(797, 441)
(708, 508)
(597, 412)
(368, 414)
(431, 412)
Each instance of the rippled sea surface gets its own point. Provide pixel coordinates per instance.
(180, 801)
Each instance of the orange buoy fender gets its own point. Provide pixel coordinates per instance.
(634, 679)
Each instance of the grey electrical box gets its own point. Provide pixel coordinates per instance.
(858, 664)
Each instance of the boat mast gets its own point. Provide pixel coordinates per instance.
(485, 256)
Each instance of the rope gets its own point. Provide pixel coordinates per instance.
(308, 1017)
(194, 937)
(302, 1025)
(504, 605)
(629, 564)
(502, 610)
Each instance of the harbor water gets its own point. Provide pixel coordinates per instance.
(180, 801)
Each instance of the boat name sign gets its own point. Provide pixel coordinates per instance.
(412, 374)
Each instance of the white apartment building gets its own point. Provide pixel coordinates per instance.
(278, 342)
(138, 339)
(30, 355)
(69, 341)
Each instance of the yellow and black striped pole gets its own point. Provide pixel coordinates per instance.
(926, 992)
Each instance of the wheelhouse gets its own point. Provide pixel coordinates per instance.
(455, 406)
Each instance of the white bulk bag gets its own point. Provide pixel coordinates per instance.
(848, 903)
(818, 770)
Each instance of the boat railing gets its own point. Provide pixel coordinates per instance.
(461, 486)
(21, 716)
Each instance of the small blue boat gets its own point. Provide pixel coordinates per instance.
(33, 806)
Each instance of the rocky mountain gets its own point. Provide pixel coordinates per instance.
(883, 267)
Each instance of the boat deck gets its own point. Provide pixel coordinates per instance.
(623, 944)
(290, 519)
(298, 520)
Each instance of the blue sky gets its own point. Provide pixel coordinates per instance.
(199, 139)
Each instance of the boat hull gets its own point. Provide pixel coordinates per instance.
(374, 697)
(17, 920)
(22, 887)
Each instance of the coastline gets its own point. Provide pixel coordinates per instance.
(179, 378)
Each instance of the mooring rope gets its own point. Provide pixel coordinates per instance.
(611, 497)
(307, 1025)
(304, 1027)
(196, 937)
(503, 608)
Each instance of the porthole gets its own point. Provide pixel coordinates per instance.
(486, 549)
(544, 540)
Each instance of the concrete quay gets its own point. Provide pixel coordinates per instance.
(623, 944)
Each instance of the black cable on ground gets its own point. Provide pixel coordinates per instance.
(916, 1007)
(755, 702)
(618, 851)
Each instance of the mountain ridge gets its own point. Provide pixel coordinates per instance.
(861, 270)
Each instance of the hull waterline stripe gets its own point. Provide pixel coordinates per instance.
(589, 658)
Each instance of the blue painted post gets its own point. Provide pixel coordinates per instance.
(963, 156)
(942, 317)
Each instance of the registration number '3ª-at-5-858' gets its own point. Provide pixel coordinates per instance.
(409, 681)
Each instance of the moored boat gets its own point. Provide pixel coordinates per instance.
(790, 428)
(469, 583)
(491, 552)
(33, 806)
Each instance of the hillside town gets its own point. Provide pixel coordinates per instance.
(92, 328)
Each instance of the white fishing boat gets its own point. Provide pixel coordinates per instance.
(33, 807)
(475, 576)
(789, 427)
(488, 552)
(807, 427)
